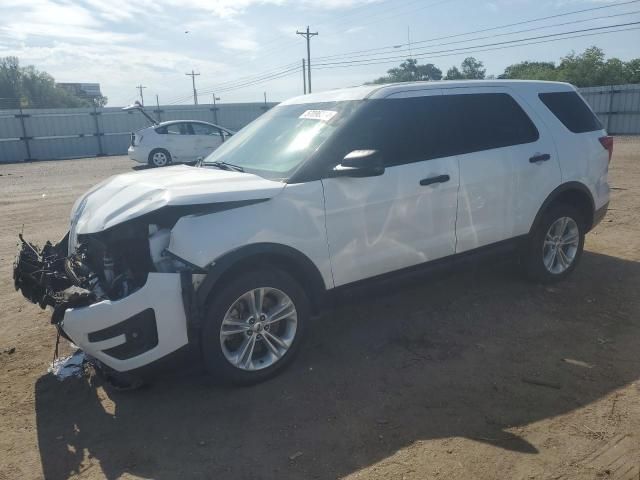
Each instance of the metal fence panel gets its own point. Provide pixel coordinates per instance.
(12, 151)
(48, 134)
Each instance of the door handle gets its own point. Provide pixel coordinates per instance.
(539, 157)
(432, 180)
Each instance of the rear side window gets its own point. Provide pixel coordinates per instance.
(572, 111)
(489, 120)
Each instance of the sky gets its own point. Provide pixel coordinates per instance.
(237, 45)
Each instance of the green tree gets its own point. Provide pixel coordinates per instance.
(632, 70)
(473, 69)
(530, 71)
(410, 71)
(28, 87)
(470, 69)
(588, 69)
(454, 74)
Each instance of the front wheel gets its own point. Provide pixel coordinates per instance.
(254, 326)
(556, 246)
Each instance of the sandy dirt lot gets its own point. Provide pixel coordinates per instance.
(423, 382)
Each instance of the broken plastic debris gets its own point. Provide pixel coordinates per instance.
(71, 366)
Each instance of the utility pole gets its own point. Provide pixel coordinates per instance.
(304, 77)
(193, 76)
(215, 108)
(265, 99)
(140, 87)
(158, 104)
(308, 36)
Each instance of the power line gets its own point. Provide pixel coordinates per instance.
(477, 49)
(252, 82)
(483, 30)
(543, 27)
(506, 42)
(213, 88)
(193, 76)
(307, 35)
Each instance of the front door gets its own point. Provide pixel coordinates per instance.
(406, 216)
(206, 139)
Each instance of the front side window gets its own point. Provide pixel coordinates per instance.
(277, 143)
(489, 120)
(404, 130)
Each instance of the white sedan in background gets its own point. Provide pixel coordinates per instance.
(176, 141)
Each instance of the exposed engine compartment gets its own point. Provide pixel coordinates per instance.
(108, 265)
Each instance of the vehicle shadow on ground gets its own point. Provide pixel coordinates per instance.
(444, 358)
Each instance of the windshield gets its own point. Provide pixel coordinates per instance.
(278, 142)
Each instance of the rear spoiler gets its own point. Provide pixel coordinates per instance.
(138, 106)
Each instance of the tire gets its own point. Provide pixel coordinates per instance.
(222, 343)
(552, 254)
(159, 158)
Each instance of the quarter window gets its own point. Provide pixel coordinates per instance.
(572, 111)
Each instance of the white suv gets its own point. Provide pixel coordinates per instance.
(321, 193)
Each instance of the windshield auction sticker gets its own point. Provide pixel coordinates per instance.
(322, 115)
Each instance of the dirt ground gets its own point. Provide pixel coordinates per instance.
(431, 381)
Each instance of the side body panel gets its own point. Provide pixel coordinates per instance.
(582, 157)
(501, 191)
(295, 218)
(380, 224)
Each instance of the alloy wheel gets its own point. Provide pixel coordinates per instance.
(258, 329)
(561, 245)
(159, 159)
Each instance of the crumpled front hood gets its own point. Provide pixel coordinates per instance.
(131, 195)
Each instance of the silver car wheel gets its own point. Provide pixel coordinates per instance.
(561, 245)
(258, 329)
(159, 159)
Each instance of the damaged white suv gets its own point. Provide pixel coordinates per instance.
(324, 191)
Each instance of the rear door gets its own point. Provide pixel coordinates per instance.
(508, 165)
(206, 139)
(406, 216)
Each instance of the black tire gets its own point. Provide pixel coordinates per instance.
(213, 355)
(533, 257)
(154, 160)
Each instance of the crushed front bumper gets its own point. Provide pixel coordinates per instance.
(124, 334)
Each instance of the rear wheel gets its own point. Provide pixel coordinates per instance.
(254, 326)
(159, 158)
(556, 246)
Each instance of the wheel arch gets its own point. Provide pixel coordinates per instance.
(288, 259)
(573, 193)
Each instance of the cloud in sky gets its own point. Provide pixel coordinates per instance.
(121, 43)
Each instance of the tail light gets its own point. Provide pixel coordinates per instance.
(133, 139)
(607, 143)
